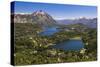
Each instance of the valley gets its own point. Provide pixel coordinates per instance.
(39, 39)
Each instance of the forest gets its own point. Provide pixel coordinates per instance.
(32, 48)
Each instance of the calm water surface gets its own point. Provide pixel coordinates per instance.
(69, 45)
(47, 31)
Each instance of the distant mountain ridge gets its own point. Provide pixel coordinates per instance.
(89, 22)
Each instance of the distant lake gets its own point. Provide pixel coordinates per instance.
(47, 31)
(69, 45)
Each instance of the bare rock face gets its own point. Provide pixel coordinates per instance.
(39, 17)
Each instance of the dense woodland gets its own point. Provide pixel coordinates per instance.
(32, 48)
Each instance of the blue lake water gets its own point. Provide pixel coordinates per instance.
(65, 45)
(47, 31)
(69, 45)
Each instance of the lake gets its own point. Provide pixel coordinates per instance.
(48, 31)
(69, 45)
(72, 44)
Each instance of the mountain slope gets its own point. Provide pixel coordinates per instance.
(43, 18)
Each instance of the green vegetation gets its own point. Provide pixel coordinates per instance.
(31, 48)
(75, 38)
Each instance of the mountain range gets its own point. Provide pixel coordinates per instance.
(38, 17)
(89, 22)
(42, 18)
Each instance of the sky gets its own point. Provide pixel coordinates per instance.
(57, 11)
